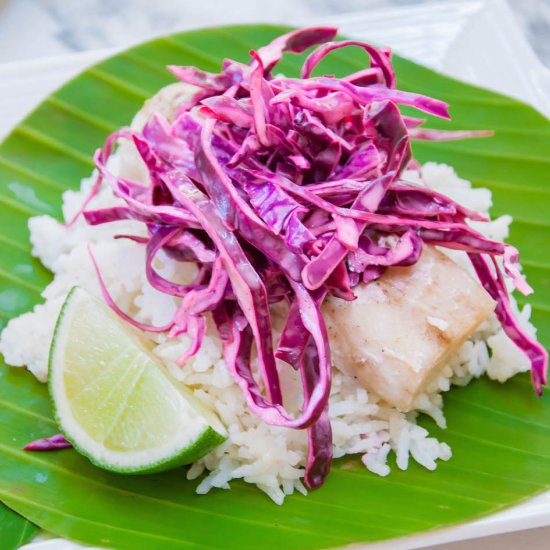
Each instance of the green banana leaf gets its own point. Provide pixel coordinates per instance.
(499, 434)
(15, 530)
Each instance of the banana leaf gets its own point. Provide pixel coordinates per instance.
(500, 434)
(15, 530)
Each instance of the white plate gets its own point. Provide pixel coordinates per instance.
(476, 41)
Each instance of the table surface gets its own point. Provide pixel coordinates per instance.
(41, 28)
(32, 29)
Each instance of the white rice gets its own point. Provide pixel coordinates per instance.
(271, 458)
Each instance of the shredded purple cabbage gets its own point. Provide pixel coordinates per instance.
(53, 443)
(280, 190)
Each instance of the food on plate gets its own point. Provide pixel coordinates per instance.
(284, 256)
(422, 314)
(112, 400)
(164, 103)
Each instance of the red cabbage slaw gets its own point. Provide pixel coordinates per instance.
(282, 190)
(52, 443)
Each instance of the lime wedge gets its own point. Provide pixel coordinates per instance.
(113, 400)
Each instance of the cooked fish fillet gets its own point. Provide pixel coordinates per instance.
(402, 329)
(165, 103)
